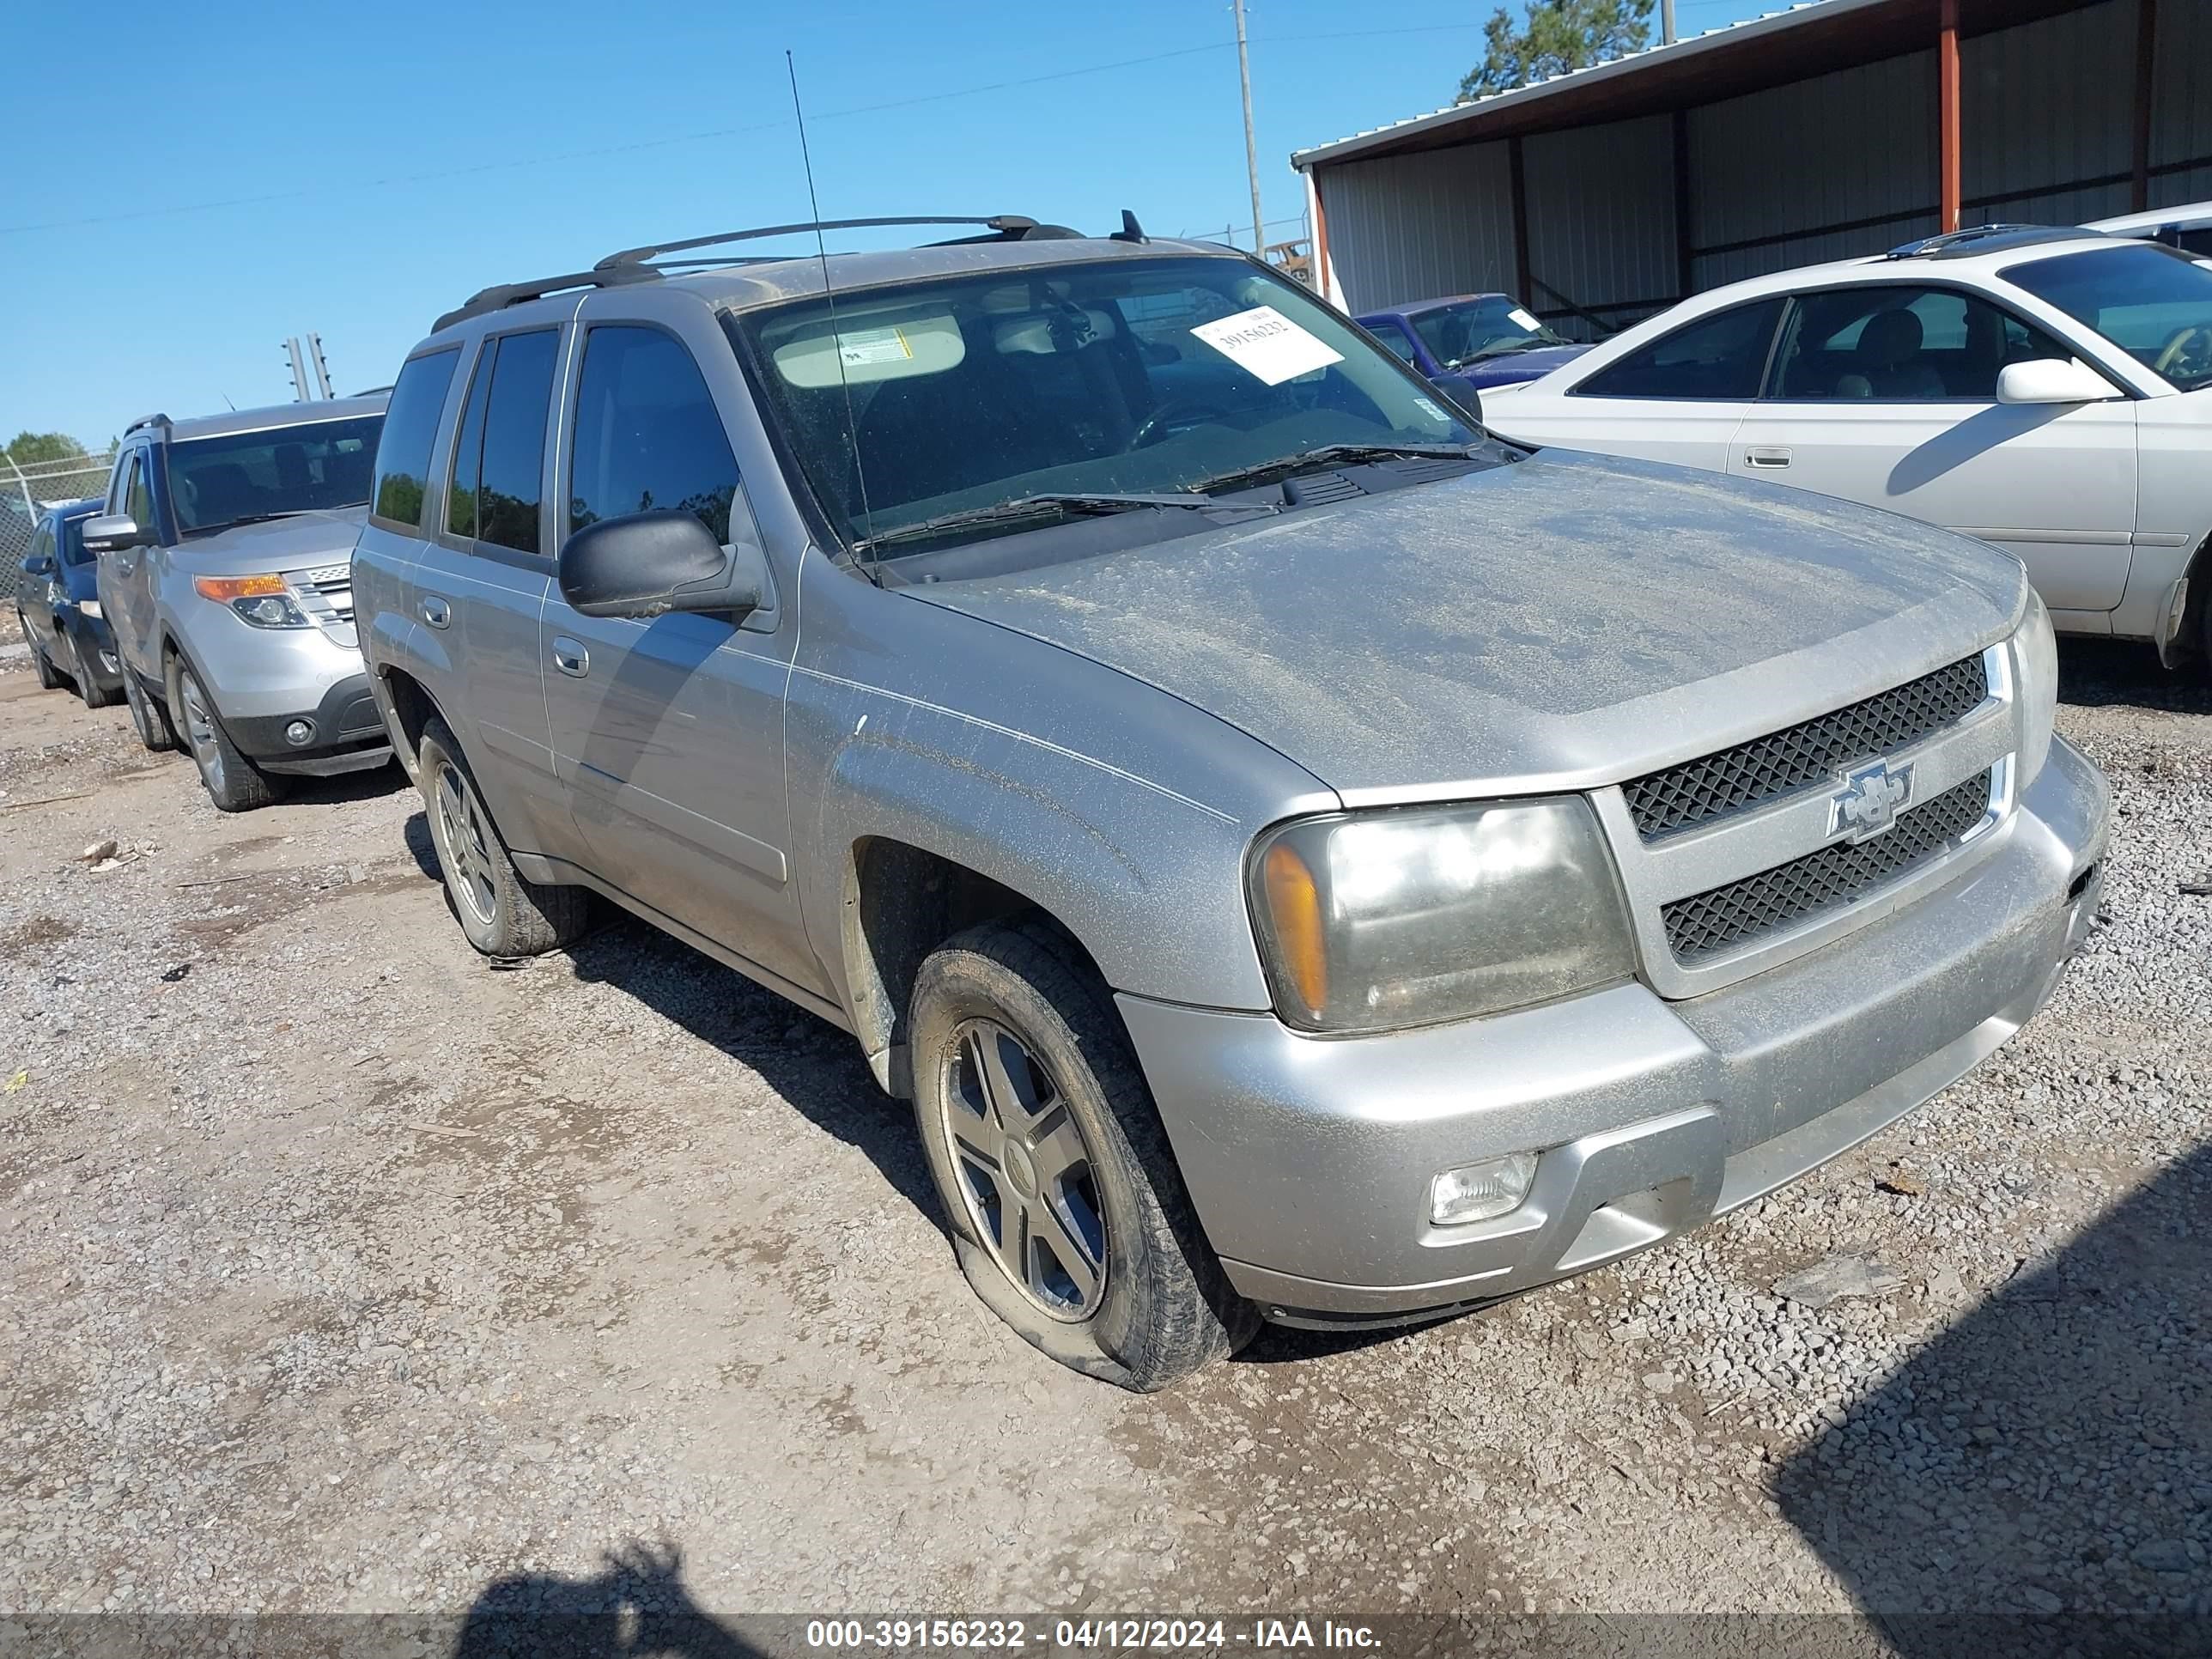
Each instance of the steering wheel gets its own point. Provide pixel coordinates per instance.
(1174, 413)
(2172, 349)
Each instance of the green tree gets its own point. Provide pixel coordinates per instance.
(1559, 35)
(30, 447)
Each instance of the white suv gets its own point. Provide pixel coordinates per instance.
(2047, 390)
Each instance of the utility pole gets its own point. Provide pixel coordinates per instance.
(299, 370)
(1251, 150)
(321, 364)
(1666, 22)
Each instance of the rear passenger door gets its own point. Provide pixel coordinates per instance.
(1679, 398)
(482, 578)
(669, 733)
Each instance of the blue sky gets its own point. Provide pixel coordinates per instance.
(356, 169)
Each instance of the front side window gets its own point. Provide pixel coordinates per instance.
(42, 546)
(1897, 343)
(648, 436)
(1494, 326)
(920, 401)
(118, 487)
(410, 427)
(2152, 302)
(72, 542)
(243, 478)
(1720, 358)
(511, 483)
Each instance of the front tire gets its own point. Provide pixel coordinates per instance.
(503, 913)
(233, 782)
(148, 718)
(1068, 1214)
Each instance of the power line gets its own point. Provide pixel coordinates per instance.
(558, 157)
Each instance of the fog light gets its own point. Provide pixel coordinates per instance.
(299, 731)
(1478, 1192)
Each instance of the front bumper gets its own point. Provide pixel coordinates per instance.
(346, 732)
(263, 679)
(1310, 1161)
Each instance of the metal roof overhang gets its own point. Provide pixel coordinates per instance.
(1767, 51)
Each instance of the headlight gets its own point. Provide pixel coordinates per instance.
(87, 608)
(263, 601)
(1372, 920)
(2035, 679)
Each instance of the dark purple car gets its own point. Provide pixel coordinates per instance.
(1475, 339)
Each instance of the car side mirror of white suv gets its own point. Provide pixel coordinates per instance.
(2053, 380)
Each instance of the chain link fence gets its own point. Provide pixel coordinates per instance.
(27, 491)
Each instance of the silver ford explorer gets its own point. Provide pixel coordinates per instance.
(1303, 859)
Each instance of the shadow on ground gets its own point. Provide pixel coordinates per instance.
(638, 1606)
(2039, 1478)
(2095, 673)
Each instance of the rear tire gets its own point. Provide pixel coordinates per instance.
(233, 782)
(1078, 1167)
(148, 718)
(503, 913)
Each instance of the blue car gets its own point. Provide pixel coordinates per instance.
(1474, 340)
(58, 608)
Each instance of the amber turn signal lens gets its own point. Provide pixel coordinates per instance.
(227, 588)
(1294, 904)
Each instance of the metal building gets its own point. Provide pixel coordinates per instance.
(1833, 129)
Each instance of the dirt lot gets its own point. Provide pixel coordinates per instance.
(345, 1273)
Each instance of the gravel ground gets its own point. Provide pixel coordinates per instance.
(346, 1274)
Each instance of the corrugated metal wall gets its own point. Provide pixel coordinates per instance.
(1844, 149)
(1602, 221)
(1829, 167)
(1413, 226)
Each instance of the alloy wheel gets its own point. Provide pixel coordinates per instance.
(1024, 1170)
(199, 730)
(465, 838)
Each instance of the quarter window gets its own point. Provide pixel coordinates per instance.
(648, 436)
(468, 451)
(1394, 337)
(410, 427)
(1717, 359)
(1900, 343)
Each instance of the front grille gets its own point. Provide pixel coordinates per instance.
(333, 585)
(1812, 751)
(1709, 923)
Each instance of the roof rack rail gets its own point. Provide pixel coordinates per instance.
(1987, 238)
(147, 420)
(500, 295)
(1004, 226)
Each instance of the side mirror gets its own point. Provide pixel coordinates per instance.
(2052, 380)
(1458, 394)
(113, 532)
(38, 564)
(646, 563)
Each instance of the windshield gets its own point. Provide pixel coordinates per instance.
(1457, 335)
(1126, 376)
(2152, 303)
(216, 482)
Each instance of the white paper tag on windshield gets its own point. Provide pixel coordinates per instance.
(1523, 318)
(1268, 345)
(873, 345)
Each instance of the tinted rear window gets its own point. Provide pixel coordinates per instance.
(411, 425)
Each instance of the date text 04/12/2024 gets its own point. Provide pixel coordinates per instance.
(1077, 1635)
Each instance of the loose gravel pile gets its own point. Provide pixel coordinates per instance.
(345, 1273)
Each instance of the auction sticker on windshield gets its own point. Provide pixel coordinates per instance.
(873, 345)
(1268, 345)
(1524, 319)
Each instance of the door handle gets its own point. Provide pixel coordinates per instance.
(436, 611)
(1768, 458)
(570, 657)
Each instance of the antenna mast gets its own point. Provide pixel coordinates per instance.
(836, 340)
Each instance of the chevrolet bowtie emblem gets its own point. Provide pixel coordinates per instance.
(1871, 799)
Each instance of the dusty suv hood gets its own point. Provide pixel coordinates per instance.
(1566, 620)
(304, 539)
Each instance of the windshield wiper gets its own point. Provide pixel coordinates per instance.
(1032, 507)
(250, 518)
(1268, 472)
